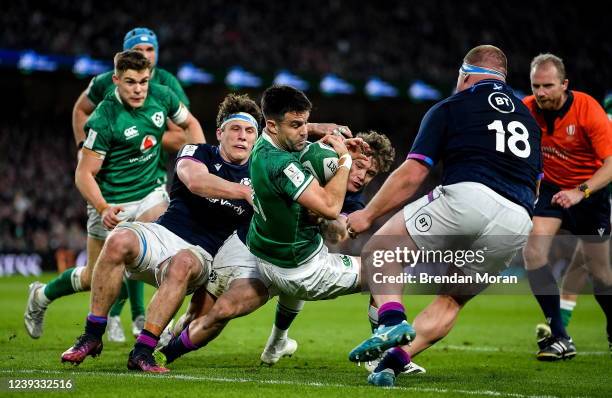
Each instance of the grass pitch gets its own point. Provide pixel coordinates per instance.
(489, 353)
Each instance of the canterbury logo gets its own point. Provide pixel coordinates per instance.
(130, 132)
(571, 129)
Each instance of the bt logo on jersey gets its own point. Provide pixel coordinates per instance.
(501, 102)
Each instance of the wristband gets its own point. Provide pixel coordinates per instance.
(348, 161)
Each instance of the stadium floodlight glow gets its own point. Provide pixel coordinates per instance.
(30, 61)
(421, 91)
(332, 84)
(376, 87)
(237, 77)
(86, 66)
(284, 77)
(189, 73)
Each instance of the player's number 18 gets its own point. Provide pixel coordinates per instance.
(518, 133)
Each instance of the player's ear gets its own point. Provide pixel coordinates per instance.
(271, 126)
(219, 133)
(116, 78)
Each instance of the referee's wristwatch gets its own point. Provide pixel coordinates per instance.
(584, 188)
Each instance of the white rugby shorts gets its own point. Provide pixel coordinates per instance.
(325, 276)
(469, 215)
(131, 211)
(157, 246)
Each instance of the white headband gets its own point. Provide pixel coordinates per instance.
(245, 117)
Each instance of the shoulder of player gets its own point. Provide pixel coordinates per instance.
(105, 78)
(106, 108)
(163, 76)
(188, 150)
(158, 90)
(272, 158)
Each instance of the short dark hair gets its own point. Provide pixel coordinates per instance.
(278, 100)
(130, 60)
(234, 103)
(382, 149)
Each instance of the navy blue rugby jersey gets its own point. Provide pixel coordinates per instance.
(484, 134)
(201, 221)
(353, 201)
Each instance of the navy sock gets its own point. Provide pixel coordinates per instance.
(95, 325)
(391, 313)
(544, 288)
(395, 359)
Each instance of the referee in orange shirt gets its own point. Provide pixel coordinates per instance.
(577, 158)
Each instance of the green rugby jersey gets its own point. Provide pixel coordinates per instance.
(102, 84)
(280, 232)
(130, 141)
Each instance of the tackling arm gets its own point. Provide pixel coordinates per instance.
(199, 181)
(397, 189)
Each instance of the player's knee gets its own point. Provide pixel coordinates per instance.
(182, 266)
(534, 257)
(120, 246)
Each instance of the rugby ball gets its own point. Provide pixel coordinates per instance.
(321, 160)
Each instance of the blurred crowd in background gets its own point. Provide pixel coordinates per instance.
(396, 40)
(40, 208)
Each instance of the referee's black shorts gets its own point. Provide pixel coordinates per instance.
(590, 218)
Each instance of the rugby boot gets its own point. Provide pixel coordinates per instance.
(86, 344)
(383, 338)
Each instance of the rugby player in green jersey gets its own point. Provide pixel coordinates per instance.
(289, 248)
(145, 41)
(119, 173)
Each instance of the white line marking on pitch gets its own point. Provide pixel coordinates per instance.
(274, 382)
(502, 350)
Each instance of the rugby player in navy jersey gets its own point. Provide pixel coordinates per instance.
(489, 145)
(210, 198)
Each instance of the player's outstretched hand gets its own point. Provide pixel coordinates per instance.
(110, 217)
(323, 129)
(568, 198)
(358, 221)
